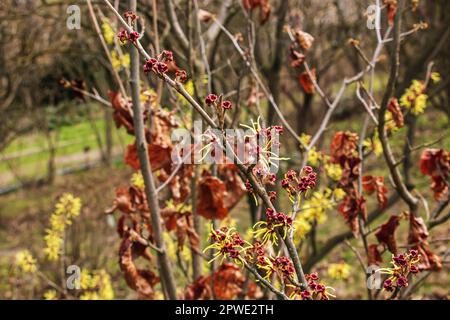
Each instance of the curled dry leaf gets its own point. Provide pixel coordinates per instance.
(304, 39)
(142, 281)
(264, 8)
(386, 234)
(159, 157)
(417, 238)
(350, 171)
(218, 195)
(376, 184)
(211, 198)
(233, 183)
(306, 82)
(297, 58)
(391, 6)
(397, 115)
(435, 163)
(227, 282)
(343, 144)
(373, 255)
(182, 224)
(180, 185)
(352, 207)
(122, 113)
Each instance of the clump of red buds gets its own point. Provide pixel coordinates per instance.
(213, 100)
(277, 219)
(404, 264)
(181, 76)
(281, 265)
(294, 184)
(285, 266)
(130, 15)
(314, 291)
(123, 36)
(268, 230)
(159, 65)
(133, 36)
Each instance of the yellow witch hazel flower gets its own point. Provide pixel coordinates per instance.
(227, 243)
(119, 62)
(137, 180)
(301, 227)
(26, 262)
(314, 209)
(435, 77)
(339, 271)
(338, 194)
(277, 222)
(97, 285)
(414, 98)
(334, 171)
(67, 208)
(374, 144)
(314, 156)
(50, 295)
(108, 32)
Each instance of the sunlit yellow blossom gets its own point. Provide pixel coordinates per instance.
(301, 227)
(339, 271)
(89, 295)
(334, 171)
(414, 98)
(338, 194)
(86, 280)
(68, 205)
(50, 295)
(120, 62)
(105, 291)
(26, 262)
(314, 157)
(108, 32)
(374, 144)
(314, 208)
(67, 208)
(305, 139)
(137, 180)
(436, 77)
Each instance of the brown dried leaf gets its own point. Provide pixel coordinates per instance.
(417, 238)
(386, 234)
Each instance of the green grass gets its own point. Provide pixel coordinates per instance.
(71, 140)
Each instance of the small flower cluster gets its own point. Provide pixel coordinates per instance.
(315, 290)
(228, 244)
(125, 36)
(282, 266)
(212, 100)
(67, 208)
(403, 265)
(415, 98)
(267, 230)
(159, 64)
(295, 185)
(96, 285)
(26, 262)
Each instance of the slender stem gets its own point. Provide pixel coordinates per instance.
(165, 269)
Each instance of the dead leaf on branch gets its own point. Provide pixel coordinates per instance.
(386, 234)
(142, 281)
(227, 282)
(376, 184)
(418, 239)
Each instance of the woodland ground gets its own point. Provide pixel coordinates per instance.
(24, 216)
